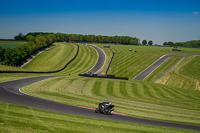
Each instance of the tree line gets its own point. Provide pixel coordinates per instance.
(126, 40)
(39, 40)
(18, 55)
(144, 42)
(190, 44)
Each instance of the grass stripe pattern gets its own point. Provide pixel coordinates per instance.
(53, 59)
(19, 119)
(129, 64)
(134, 98)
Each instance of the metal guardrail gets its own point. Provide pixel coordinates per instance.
(109, 63)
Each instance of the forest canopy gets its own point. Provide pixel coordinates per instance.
(127, 40)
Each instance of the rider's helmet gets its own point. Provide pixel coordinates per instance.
(108, 101)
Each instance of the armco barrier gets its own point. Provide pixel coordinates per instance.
(103, 76)
(47, 71)
(109, 63)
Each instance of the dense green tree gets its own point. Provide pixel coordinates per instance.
(165, 44)
(20, 37)
(41, 41)
(170, 44)
(144, 42)
(51, 38)
(30, 38)
(150, 42)
(2, 54)
(60, 37)
(133, 42)
(7, 57)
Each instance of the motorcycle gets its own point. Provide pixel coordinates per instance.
(104, 110)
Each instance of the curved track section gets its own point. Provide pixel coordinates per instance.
(9, 92)
(152, 67)
(101, 60)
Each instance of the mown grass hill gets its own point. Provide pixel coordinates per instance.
(129, 64)
(168, 101)
(184, 75)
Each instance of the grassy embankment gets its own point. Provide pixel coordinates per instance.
(163, 68)
(192, 68)
(57, 57)
(85, 60)
(135, 98)
(10, 68)
(129, 64)
(185, 75)
(11, 44)
(53, 59)
(19, 119)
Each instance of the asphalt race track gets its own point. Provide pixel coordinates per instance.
(101, 60)
(151, 68)
(156, 64)
(9, 92)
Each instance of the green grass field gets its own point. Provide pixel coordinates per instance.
(20, 119)
(163, 68)
(53, 59)
(57, 57)
(11, 44)
(169, 102)
(134, 98)
(192, 68)
(185, 75)
(10, 68)
(129, 64)
(85, 60)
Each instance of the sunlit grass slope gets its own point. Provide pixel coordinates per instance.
(86, 59)
(11, 44)
(185, 75)
(10, 68)
(20, 119)
(163, 68)
(192, 68)
(129, 64)
(134, 98)
(53, 59)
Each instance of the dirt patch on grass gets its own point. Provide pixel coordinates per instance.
(198, 86)
(163, 80)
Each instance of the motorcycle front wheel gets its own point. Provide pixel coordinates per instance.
(97, 110)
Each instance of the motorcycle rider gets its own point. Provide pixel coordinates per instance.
(105, 104)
